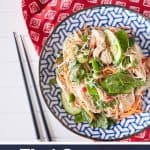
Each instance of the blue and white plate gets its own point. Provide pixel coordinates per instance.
(98, 16)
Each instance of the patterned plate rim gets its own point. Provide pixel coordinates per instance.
(93, 7)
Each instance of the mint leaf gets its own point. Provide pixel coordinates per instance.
(102, 122)
(83, 117)
(131, 41)
(122, 36)
(120, 83)
(96, 65)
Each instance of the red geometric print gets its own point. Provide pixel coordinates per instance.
(92, 1)
(35, 23)
(135, 1)
(34, 36)
(65, 4)
(120, 3)
(48, 27)
(52, 3)
(62, 16)
(106, 2)
(42, 16)
(50, 14)
(34, 7)
(146, 3)
(43, 1)
(135, 8)
(77, 7)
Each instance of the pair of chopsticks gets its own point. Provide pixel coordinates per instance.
(39, 119)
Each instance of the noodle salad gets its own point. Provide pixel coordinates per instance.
(102, 74)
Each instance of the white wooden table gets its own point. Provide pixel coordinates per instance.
(15, 117)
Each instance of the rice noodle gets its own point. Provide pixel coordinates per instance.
(99, 49)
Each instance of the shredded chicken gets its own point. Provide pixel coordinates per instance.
(139, 70)
(138, 53)
(68, 51)
(126, 101)
(94, 66)
(106, 57)
(97, 42)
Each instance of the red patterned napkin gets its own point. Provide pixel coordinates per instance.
(42, 16)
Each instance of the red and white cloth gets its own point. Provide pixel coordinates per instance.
(42, 16)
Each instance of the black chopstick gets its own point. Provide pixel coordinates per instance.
(27, 89)
(36, 91)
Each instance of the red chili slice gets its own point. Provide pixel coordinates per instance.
(84, 89)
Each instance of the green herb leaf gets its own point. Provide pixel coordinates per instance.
(96, 65)
(79, 118)
(102, 122)
(74, 73)
(120, 83)
(126, 61)
(84, 38)
(86, 117)
(83, 117)
(52, 81)
(123, 39)
(110, 104)
(100, 104)
(134, 63)
(131, 41)
(111, 122)
(82, 73)
(93, 91)
(77, 72)
(59, 58)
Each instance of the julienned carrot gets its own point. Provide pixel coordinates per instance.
(108, 70)
(134, 109)
(117, 111)
(137, 103)
(126, 115)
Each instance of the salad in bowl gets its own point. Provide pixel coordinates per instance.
(102, 74)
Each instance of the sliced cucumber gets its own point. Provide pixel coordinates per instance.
(115, 46)
(68, 106)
